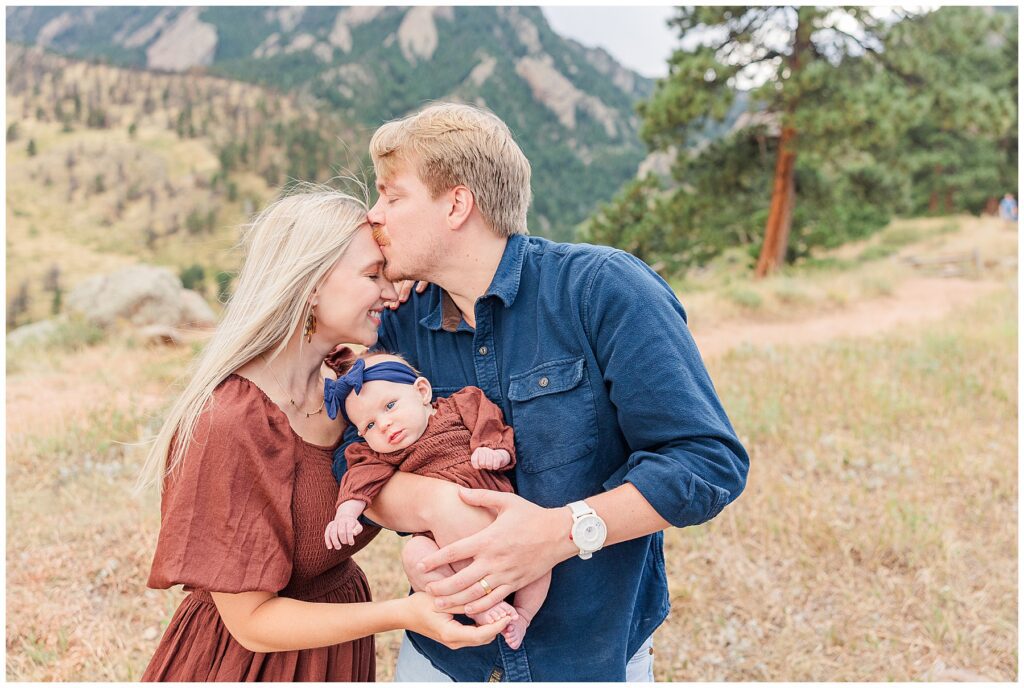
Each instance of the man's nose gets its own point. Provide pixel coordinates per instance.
(376, 214)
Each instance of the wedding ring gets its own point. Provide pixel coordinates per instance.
(485, 586)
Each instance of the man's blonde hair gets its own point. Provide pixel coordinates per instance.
(452, 144)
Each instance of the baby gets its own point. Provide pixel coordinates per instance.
(462, 439)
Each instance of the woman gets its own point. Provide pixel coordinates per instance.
(244, 459)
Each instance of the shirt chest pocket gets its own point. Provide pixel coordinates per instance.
(554, 415)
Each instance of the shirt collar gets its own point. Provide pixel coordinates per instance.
(505, 285)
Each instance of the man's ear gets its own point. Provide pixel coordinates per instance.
(462, 204)
(422, 386)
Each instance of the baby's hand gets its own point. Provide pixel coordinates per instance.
(487, 459)
(342, 530)
(345, 526)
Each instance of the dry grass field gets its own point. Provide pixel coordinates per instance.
(876, 540)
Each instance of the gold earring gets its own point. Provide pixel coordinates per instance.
(310, 328)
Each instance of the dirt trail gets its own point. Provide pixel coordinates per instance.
(916, 300)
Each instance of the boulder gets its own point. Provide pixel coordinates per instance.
(160, 334)
(195, 312)
(37, 333)
(141, 295)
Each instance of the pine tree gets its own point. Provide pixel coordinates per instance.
(797, 52)
(18, 305)
(961, 146)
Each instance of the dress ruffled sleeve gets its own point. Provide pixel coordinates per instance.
(367, 472)
(485, 421)
(226, 512)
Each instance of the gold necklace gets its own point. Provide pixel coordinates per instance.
(283, 389)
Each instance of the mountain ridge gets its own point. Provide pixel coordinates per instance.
(570, 107)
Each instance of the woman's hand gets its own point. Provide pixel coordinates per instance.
(423, 618)
(524, 542)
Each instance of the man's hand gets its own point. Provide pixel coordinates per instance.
(524, 542)
(487, 459)
(404, 289)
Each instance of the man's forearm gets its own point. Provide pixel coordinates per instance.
(625, 512)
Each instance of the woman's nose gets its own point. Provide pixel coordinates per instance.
(387, 291)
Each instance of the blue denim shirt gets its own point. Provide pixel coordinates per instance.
(587, 352)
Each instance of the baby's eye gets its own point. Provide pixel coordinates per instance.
(391, 405)
(369, 427)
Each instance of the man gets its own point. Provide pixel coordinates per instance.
(618, 429)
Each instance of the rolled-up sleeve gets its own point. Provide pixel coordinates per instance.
(685, 457)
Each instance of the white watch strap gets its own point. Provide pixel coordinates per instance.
(580, 509)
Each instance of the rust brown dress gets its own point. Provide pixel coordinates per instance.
(246, 512)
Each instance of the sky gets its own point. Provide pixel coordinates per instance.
(635, 36)
(638, 36)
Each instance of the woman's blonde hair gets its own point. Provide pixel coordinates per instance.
(452, 144)
(290, 248)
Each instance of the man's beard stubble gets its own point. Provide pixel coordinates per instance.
(392, 274)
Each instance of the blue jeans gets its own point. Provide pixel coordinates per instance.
(412, 666)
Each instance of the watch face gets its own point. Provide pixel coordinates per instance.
(589, 533)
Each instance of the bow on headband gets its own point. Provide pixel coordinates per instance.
(336, 391)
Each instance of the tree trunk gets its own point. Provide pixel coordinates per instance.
(787, 213)
(780, 214)
(933, 200)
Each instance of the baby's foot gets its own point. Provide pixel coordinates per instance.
(498, 611)
(515, 631)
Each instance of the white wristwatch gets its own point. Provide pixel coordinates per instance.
(588, 529)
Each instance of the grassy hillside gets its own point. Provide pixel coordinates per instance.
(876, 539)
(109, 166)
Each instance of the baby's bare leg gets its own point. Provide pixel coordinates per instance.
(420, 546)
(528, 601)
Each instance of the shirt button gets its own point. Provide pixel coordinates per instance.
(543, 382)
(482, 351)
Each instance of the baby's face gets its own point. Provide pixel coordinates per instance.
(389, 415)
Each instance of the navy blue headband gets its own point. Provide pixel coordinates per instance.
(336, 391)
